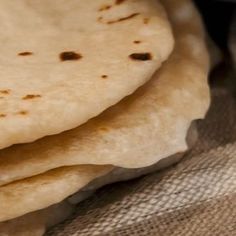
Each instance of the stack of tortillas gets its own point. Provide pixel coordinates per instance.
(66, 62)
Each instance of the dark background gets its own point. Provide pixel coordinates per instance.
(217, 16)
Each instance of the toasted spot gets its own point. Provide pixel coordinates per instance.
(100, 18)
(31, 96)
(70, 56)
(137, 41)
(22, 112)
(141, 56)
(5, 91)
(146, 20)
(118, 2)
(2, 97)
(103, 128)
(123, 18)
(25, 53)
(105, 8)
(2, 115)
(104, 76)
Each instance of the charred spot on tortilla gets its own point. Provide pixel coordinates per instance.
(70, 56)
(118, 2)
(5, 91)
(104, 76)
(2, 115)
(100, 19)
(146, 20)
(31, 96)
(137, 41)
(141, 56)
(105, 8)
(25, 53)
(23, 112)
(123, 18)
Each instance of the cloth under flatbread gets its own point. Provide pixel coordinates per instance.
(142, 129)
(62, 64)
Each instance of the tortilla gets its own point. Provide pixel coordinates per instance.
(121, 174)
(41, 191)
(142, 129)
(35, 224)
(62, 64)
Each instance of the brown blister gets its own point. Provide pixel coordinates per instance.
(70, 56)
(31, 96)
(141, 56)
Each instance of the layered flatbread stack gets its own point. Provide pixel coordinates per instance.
(92, 92)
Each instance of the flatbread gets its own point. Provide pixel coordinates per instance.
(121, 174)
(142, 129)
(63, 63)
(41, 191)
(35, 223)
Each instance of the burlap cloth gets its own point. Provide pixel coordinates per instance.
(195, 197)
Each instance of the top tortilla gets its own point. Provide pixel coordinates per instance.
(63, 63)
(142, 129)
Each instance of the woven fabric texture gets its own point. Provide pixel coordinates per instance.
(195, 197)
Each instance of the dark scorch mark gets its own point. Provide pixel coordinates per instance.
(25, 53)
(141, 56)
(70, 56)
(104, 76)
(123, 18)
(118, 2)
(31, 96)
